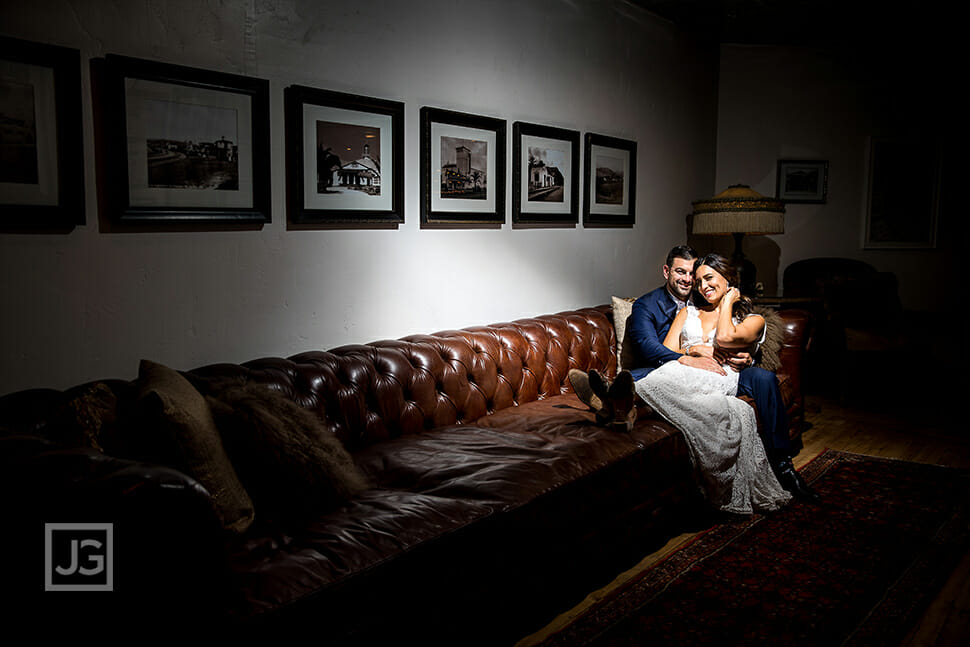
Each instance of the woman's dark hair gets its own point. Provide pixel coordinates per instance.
(743, 306)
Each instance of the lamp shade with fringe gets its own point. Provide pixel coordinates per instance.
(739, 210)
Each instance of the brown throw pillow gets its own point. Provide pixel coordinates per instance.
(182, 433)
(768, 356)
(625, 354)
(289, 463)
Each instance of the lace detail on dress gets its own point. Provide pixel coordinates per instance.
(721, 431)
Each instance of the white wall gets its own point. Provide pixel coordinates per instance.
(804, 103)
(89, 304)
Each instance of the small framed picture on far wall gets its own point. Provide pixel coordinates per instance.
(802, 181)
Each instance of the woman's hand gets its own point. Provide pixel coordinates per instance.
(701, 350)
(732, 295)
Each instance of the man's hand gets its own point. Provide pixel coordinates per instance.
(737, 360)
(706, 363)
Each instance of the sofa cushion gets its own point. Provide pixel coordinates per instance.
(465, 462)
(179, 431)
(289, 464)
(569, 427)
(510, 457)
(625, 353)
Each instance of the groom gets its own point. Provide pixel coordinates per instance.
(648, 325)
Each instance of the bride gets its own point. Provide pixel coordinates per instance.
(721, 430)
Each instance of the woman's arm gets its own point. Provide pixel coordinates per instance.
(740, 335)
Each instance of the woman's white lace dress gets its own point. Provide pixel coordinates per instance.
(721, 430)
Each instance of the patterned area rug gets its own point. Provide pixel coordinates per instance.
(859, 568)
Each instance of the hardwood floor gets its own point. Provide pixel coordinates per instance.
(876, 429)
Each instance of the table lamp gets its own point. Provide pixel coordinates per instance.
(739, 210)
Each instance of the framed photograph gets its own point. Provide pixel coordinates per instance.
(610, 170)
(344, 157)
(41, 151)
(185, 144)
(545, 174)
(462, 168)
(804, 181)
(902, 200)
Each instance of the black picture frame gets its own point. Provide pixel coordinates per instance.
(361, 189)
(610, 178)
(802, 181)
(545, 174)
(49, 134)
(457, 193)
(180, 116)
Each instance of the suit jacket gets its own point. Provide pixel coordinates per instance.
(648, 325)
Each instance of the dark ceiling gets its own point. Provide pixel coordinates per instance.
(798, 22)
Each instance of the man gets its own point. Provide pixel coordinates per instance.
(648, 325)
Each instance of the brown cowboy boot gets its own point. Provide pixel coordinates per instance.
(580, 383)
(600, 387)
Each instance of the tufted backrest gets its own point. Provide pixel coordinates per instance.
(371, 392)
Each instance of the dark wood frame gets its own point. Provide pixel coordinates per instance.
(295, 97)
(821, 188)
(70, 208)
(116, 70)
(430, 216)
(624, 220)
(520, 212)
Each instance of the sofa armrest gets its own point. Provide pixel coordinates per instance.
(798, 327)
(42, 475)
(168, 549)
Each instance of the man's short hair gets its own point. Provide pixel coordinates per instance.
(685, 252)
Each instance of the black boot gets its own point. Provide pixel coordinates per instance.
(624, 398)
(792, 481)
(618, 411)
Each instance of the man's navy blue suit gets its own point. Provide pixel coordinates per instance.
(648, 326)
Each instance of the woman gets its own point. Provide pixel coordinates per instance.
(721, 430)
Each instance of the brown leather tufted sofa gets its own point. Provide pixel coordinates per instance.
(497, 501)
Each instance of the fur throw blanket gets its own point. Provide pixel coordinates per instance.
(768, 356)
(289, 464)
